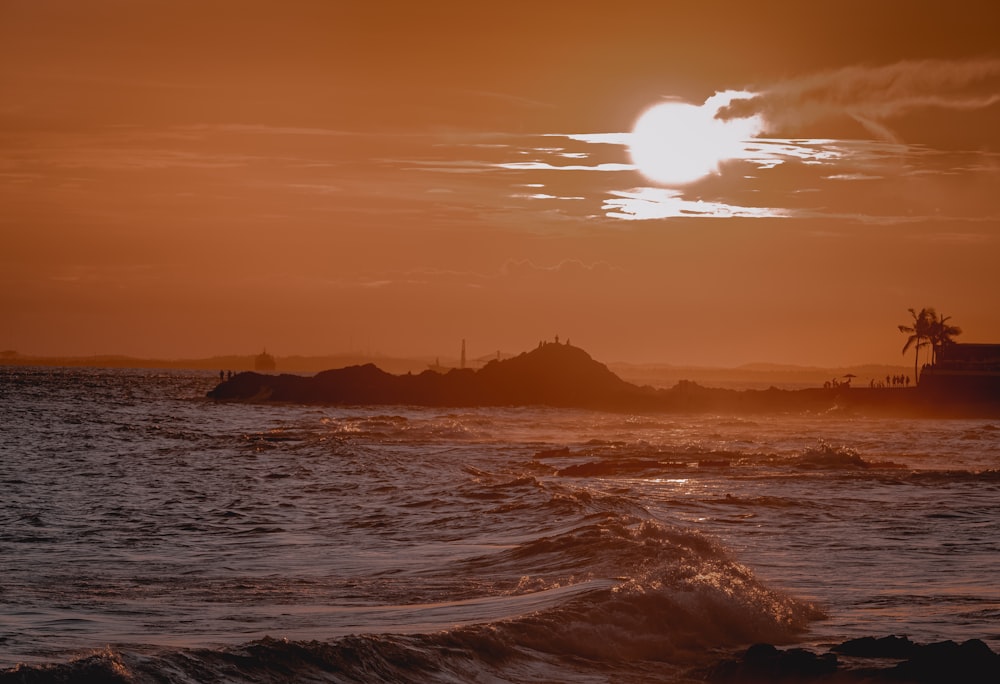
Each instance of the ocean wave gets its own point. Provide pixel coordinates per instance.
(679, 602)
(660, 570)
(434, 544)
(620, 466)
(606, 589)
(422, 426)
(829, 457)
(645, 460)
(937, 477)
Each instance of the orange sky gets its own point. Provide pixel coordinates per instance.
(185, 179)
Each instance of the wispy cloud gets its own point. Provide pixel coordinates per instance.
(660, 203)
(260, 129)
(525, 267)
(512, 272)
(873, 94)
(546, 166)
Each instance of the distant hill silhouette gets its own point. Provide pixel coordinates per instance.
(561, 375)
(551, 375)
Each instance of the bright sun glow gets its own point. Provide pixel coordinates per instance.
(676, 143)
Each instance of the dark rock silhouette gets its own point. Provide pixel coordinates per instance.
(561, 375)
(765, 663)
(883, 647)
(551, 375)
(888, 659)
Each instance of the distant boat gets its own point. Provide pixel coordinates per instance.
(264, 362)
(437, 367)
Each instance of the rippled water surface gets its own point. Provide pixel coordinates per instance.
(144, 522)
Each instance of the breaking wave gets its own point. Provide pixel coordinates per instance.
(617, 594)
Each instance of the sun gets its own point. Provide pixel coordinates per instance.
(676, 143)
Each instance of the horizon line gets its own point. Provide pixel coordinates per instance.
(7, 356)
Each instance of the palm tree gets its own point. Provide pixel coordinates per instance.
(919, 334)
(940, 334)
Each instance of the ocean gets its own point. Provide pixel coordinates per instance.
(148, 534)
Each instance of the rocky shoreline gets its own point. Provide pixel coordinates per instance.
(886, 659)
(561, 375)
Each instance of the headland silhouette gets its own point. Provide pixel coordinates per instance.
(565, 376)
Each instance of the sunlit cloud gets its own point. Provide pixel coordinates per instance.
(545, 166)
(557, 181)
(853, 177)
(676, 143)
(661, 203)
(259, 129)
(316, 188)
(145, 159)
(547, 196)
(872, 94)
(621, 139)
(458, 166)
(623, 200)
(512, 272)
(772, 152)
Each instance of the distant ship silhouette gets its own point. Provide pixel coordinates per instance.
(264, 362)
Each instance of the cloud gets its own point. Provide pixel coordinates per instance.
(660, 203)
(545, 166)
(519, 101)
(567, 270)
(870, 95)
(261, 129)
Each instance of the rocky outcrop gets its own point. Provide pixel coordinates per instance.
(551, 375)
(561, 375)
(887, 659)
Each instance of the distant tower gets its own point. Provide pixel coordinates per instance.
(463, 355)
